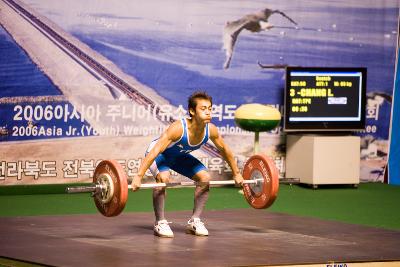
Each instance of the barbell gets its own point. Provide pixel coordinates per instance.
(110, 185)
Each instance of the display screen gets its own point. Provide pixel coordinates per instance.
(325, 99)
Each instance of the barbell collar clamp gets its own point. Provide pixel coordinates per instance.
(92, 188)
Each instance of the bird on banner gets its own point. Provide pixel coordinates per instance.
(255, 22)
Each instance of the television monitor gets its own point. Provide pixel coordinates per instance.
(325, 99)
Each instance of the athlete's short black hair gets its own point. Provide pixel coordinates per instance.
(192, 100)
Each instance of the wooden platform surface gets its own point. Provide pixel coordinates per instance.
(242, 237)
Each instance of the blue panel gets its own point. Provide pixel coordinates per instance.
(394, 156)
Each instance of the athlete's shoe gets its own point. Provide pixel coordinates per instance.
(196, 227)
(162, 229)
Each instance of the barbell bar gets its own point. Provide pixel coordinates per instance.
(110, 185)
(93, 188)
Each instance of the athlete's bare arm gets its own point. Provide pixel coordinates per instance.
(226, 152)
(172, 134)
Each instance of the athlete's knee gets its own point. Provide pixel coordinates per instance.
(202, 176)
(163, 177)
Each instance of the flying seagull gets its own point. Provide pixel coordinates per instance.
(255, 22)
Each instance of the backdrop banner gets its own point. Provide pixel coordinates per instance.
(86, 81)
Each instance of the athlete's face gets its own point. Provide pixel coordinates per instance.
(202, 111)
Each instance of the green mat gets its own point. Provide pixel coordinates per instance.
(6, 262)
(372, 204)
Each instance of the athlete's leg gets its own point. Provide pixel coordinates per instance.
(200, 193)
(161, 226)
(160, 170)
(192, 168)
(159, 194)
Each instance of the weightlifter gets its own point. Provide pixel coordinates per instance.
(172, 151)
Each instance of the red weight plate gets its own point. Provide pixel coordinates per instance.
(261, 196)
(120, 196)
